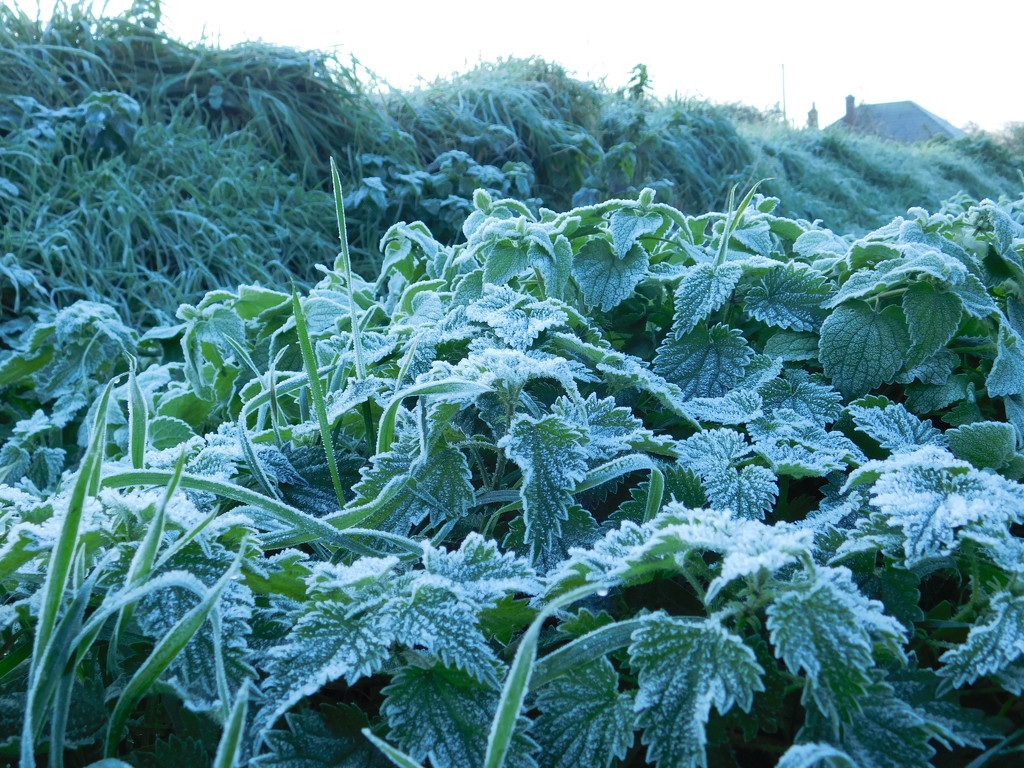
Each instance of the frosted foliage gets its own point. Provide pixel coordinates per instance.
(330, 643)
(822, 626)
(478, 572)
(548, 452)
(703, 289)
(327, 578)
(815, 755)
(736, 407)
(584, 719)
(746, 547)
(712, 450)
(706, 362)
(892, 425)
(514, 317)
(685, 668)
(789, 296)
(806, 394)
(930, 502)
(512, 369)
(609, 430)
(992, 645)
(749, 491)
(431, 617)
(444, 716)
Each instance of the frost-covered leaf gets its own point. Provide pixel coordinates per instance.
(610, 430)
(328, 737)
(707, 362)
(549, 453)
(815, 755)
(789, 296)
(823, 627)
(1007, 374)
(444, 716)
(629, 224)
(415, 486)
(807, 394)
(798, 447)
(685, 667)
(737, 406)
(749, 491)
(478, 572)
(932, 319)
(703, 289)
(861, 348)
(432, 617)
(887, 733)
(891, 425)
(986, 444)
(792, 346)
(712, 450)
(584, 718)
(994, 643)
(605, 278)
(344, 631)
(928, 495)
(514, 317)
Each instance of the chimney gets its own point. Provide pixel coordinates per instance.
(812, 117)
(851, 112)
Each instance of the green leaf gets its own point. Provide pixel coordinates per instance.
(328, 737)
(861, 348)
(891, 425)
(167, 432)
(887, 733)
(504, 260)
(815, 755)
(629, 224)
(706, 362)
(549, 453)
(807, 394)
(933, 318)
(163, 654)
(441, 715)
(685, 667)
(1007, 374)
(347, 637)
(703, 289)
(986, 444)
(822, 626)
(749, 492)
(584, 719)
(789, 296)
(606, 279)
(994, 643)
(517, 319)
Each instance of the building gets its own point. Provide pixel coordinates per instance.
(903, 121)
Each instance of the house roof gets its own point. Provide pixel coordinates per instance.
(903, 121)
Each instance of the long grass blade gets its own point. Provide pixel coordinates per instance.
(229, 747)
(395, 755)
(59, 568)
(317, 395)
(517, 682)
(163, 653)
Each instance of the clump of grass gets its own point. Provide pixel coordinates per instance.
(183, 212)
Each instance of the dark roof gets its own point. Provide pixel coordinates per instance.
(902, 121)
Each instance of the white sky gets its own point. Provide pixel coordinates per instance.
(961, 60)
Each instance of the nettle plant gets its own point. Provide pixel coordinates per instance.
(617, 486)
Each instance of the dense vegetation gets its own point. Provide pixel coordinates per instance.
(143, 172)
(570, 472)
